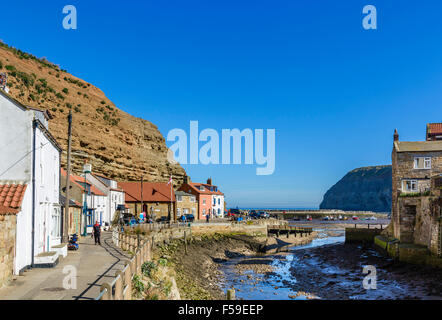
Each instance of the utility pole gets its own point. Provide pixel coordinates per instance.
(142, 203)
(68, 180)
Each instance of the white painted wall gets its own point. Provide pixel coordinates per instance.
(16, 154)
(218, 205)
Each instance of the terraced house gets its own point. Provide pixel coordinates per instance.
(210, 199)
(30, 183)
(416, 198)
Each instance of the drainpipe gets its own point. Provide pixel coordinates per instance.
(34, 125)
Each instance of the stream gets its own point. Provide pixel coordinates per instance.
(327, 269)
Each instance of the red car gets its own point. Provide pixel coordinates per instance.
(355, 218)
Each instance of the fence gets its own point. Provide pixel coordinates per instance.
(120, 288)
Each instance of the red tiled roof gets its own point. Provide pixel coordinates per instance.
(11, 195)
(7, 210)
(78, 181)
(196, 186)
(152, 191)
(435, 128)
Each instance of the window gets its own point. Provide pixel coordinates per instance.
(179, 198)
(193, 211)
(192, 199)
(178, 211)
(202, 188)
(204, 201)
(422, 163)
(409, 186)
(219, 201)
(55, 230)
(204, 211)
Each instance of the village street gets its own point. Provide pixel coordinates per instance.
(94, 264)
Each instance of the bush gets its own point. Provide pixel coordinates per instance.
(65, 90)
(137, 284)
(148, 267)
(59, 96)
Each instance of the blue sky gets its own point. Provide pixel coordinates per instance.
(333, 91)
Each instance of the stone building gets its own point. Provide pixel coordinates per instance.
(416, 174)
(186, 204)
(8, 227)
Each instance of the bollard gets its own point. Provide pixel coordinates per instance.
(231, 294)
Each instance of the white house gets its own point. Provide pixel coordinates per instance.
(114, 195)
(30, 156)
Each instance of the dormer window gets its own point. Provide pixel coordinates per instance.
(422, 163)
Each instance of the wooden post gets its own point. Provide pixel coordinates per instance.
(185, 242)
(119, 286)
(108, 294)
(231, 294)
(65, 217)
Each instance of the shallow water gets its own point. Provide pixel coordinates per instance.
(264, 289)
(315, 273)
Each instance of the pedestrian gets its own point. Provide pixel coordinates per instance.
(97, 233)
(207, 218)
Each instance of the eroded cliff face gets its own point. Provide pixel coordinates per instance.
(363, 189)
(117, 144)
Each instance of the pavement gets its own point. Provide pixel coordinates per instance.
(89, 267)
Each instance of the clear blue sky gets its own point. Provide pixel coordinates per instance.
(333, 91)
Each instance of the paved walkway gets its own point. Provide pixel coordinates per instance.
(94, 264)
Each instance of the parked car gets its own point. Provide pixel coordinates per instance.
(326, 218)
(373, 218)
(254, 215)
(309, 218)
(190, 217)
(233, 212)
(263, 215)
(355, 218)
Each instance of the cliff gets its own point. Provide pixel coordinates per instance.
(117, 144)
(363, 189)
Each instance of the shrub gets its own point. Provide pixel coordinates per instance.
(59, 96)
(137, 284)
(65, 90)
(31, 96)
(148, 267)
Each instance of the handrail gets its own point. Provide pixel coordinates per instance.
(100, 296)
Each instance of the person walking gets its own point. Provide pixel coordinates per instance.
(97, 233)
(207, 218)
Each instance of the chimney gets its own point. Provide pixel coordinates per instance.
(3, 82)
(209, 181)
(396, 135)
(186, 179)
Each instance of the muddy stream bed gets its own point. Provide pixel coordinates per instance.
(327, 269)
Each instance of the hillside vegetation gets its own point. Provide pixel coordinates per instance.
(114, 142)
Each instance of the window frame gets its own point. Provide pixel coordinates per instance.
(425, 161)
